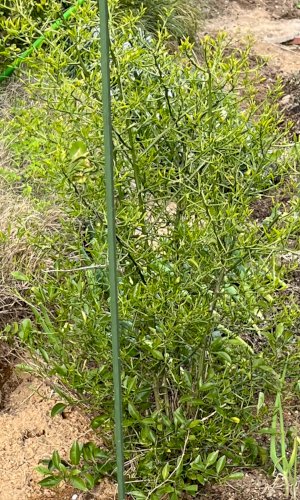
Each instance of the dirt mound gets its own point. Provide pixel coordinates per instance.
(291, 101)
(29, 434)
(269, 32)
(279, 9)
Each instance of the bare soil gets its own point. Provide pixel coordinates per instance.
(254, 486)
(28, 434)
(270, 31)
(279, 9)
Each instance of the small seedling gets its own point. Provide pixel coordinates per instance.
(286, 464)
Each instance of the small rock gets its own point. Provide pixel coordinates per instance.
(286, 99)
(74, 497)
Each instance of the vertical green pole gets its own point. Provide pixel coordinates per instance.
(112, 251)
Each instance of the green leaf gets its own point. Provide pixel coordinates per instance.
(44, 354)
(165, 471)
(97, 422)
(212, 457)
(207, 386)
(50, 481)
(157, 354)
(231, 290)
(25, 329)
(191, 488)
(78, 483)
(61, 370)
(235, 476)
(78, 150)
(57, 409)
(56, 459)
(17, 275)
(195, 423)
(220, 464)
(147, 436)
(197, 464)
(238, 341)
(178, 417)
(75, 453)
(279, 330)
(98, 453)
(268, 430)
(261, 402)
(90, 481)
(133, 411)
(166, 488)
(224, 355)
(137, 495)
(179, 467)
(201, 479)
(87, 453)
(42, 470)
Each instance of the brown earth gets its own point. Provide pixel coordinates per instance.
(254, 486)
(270, 32)
(279, 9)
(28, 434)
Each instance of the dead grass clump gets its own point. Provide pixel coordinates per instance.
(12, 91)
(20, 223)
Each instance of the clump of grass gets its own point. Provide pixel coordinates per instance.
(179, 16)
(20, 222)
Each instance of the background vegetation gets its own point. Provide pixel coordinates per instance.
(206, 312)
(22, 22)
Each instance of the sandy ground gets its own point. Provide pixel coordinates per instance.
(271, 32)
(28, 434)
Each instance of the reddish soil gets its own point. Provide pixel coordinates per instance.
(270, 25)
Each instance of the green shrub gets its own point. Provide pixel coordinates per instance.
(22, 21)
(195, 149)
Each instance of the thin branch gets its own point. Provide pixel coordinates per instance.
(176, 468)
(84, 268)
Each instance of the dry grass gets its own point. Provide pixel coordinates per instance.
(20, 223)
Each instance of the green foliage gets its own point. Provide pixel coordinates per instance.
(195, 150)
(22, 21)
(86, 465)
(179, 16)
(287, 463)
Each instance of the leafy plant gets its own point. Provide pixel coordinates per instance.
(86, 464)
(21, 22)
(179, 16)
(195, 150)
(286, 464)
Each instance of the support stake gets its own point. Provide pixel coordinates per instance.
(112, 247)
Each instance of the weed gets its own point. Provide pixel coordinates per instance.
(284, 464)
